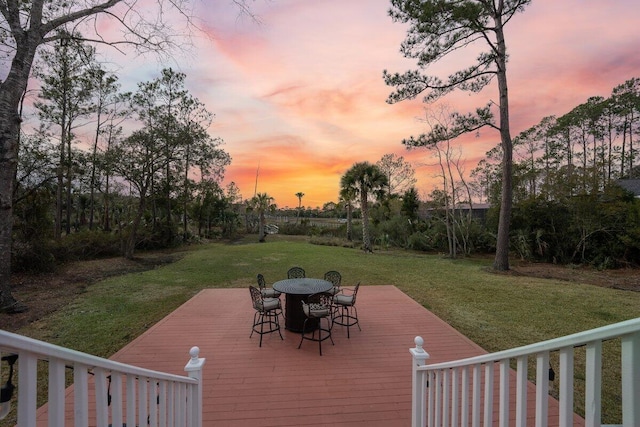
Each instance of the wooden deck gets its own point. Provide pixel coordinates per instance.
(364, 380)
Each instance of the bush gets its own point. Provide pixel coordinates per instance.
(394, 232)
(86, 245)
(420, 241)
(334, 241)
(32, 257)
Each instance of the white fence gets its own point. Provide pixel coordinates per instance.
(105, 393)
(462, 393)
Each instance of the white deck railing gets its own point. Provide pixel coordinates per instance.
(107, 392)
(462, 393)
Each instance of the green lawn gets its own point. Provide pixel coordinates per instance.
(494, 310)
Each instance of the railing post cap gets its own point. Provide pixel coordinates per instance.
(418, 352)
(195, 363)
(194, 353)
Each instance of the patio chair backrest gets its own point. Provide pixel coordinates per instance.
(296, 273)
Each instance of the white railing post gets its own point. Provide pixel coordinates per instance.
(418, 401)
(631, 380)
(194, 370)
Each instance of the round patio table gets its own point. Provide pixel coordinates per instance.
(296, 291)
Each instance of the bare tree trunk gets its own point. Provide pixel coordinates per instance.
(93, 168)
(624, 144)
(364, 207)
(130, 244)
(57, 232)
(69, 173)
(501, 261)
(631, 143)
(349, 221)
(262, 222)
(107, 217)
(185, 225)
(11, 91)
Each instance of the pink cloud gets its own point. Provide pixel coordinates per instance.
(301, 93)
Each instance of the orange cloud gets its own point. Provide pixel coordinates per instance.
(302, 94)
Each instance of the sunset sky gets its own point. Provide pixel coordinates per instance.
(300, 94)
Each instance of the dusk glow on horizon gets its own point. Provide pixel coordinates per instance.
(298, 96)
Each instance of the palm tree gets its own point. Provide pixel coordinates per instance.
(347, 197)
(364, 178)
(299, 195)
(262, 202)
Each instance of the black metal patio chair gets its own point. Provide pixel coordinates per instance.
(265, 317)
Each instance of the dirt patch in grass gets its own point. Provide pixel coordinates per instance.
(627, 279)
(46, 293)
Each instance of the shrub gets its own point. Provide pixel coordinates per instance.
(85, 245)
(32, 257)
(420, 241)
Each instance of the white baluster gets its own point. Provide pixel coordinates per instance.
(56, 392)
(566, 387)
(81, 395)
(488, 394)
(475, 402)
(521, 392)
(455, 400)
(102, 409)
(504, 393)
(116, 399)
(27, 379)
(542, 389)
(593, 386)
(131, 400)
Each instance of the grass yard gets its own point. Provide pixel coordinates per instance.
(497, 311)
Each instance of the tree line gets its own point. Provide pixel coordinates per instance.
(25, 28)
(139, 165)
(568, 204)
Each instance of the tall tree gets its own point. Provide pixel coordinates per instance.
(107, 101)
(455, 191)
(400, 174)
(64, 99)
(364, 179)
(439, 28)
(140, 159)
(411, 205)
(262, 203)
(299, 195)
(112, 133)
(347, 197)
(627, 99)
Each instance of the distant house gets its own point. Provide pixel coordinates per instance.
(478, 210)
(632, 185)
